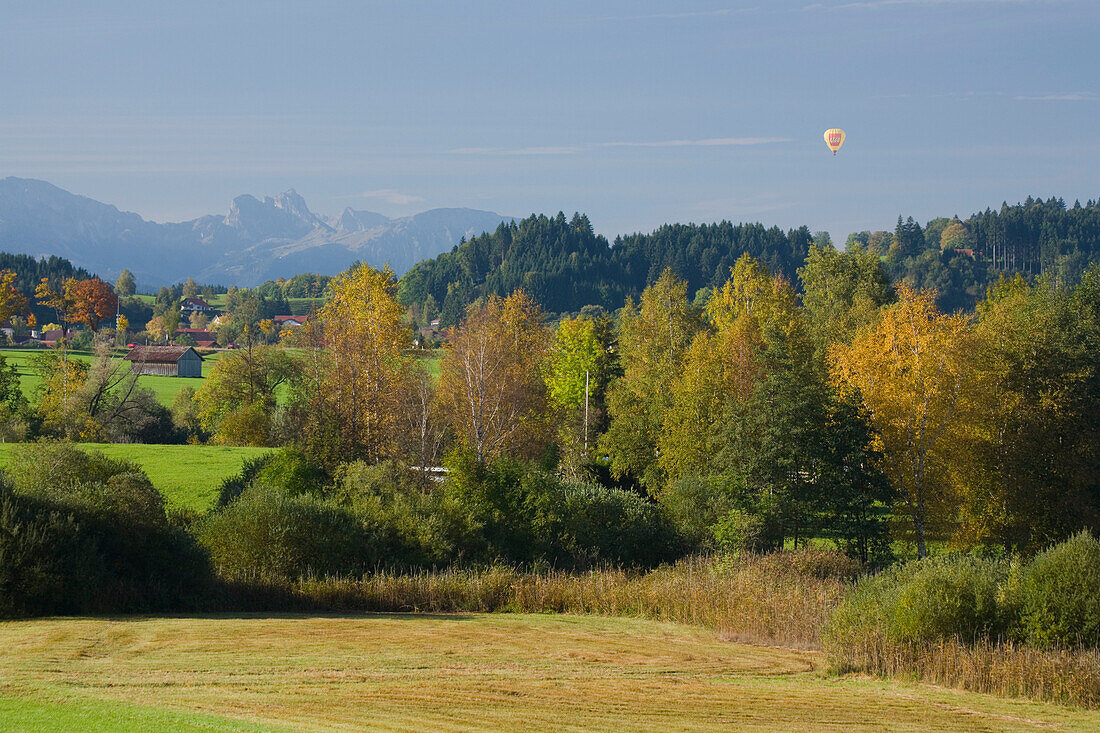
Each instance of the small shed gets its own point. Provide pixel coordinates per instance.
(165, 361)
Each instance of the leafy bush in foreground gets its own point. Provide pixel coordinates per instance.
(81, 532)
(268, 533)
(47, 565)
(1060, 594)
(516, 513)
(952, 597)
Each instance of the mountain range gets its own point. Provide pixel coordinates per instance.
(257, 240)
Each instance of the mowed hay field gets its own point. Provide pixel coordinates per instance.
(454, 673)
(188, 476)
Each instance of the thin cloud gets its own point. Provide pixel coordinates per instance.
(535, 150)
(1067, 97)
(709, 142)
(391, 196)
(873, 4)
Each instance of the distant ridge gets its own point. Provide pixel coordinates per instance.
(255, 240)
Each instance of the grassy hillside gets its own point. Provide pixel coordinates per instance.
(303, 306)
(187, 475)
(165, 388)
(453, 672)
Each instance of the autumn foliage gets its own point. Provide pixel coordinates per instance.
(88, 302)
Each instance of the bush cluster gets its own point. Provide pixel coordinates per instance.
(80, 532)
(283, 517)
(1054, 600)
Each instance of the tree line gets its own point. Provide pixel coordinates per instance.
(756, 417)
(565, 267)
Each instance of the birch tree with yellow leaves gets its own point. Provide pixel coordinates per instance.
(910, 370)
(491, 385)
(367, 369)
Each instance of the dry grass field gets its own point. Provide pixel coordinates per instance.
(454, 673)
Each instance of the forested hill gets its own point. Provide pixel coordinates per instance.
(29, 271)
(565, 266)
(960, 258)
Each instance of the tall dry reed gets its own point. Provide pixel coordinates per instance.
(779, 599)
(1070, 676)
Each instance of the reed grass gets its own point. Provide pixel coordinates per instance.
(1067, 675)
(763, 601)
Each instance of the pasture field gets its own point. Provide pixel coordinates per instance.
(187, 475)
(303, 306)
(431, 359)
(454, 673)
(166, 388)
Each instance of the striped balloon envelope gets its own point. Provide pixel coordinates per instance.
(834, 139)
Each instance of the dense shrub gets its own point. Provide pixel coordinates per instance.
(931, 599)
(234, 486)
(518, 513)
(947, 597)
(421, 527)
(269, 533)
(696, 506)
(48, 469)
(104, 540)
(739, 532)
(1059, 594)
(47, 565)
(292, 472)
(578, 524)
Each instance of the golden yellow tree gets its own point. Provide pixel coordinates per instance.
(491, 385)
(910, 371)
(363, 331)
(12, 302)
(58, 300)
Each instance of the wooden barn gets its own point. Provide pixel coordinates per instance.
(165, 361)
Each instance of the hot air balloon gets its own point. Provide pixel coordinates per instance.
(834, 139)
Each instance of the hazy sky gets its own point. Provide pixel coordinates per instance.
(637, 113)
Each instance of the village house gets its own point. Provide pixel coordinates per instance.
(195, 305)
(203, 338)
(165, 361)
(50, 338)
(289, 321)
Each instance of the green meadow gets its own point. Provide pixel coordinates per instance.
(166, 388)
(187, 475)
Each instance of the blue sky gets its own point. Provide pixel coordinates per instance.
(636, 113)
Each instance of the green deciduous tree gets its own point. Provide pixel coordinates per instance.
(125, 286)
(842, 293)
(653, 337)
(238, 401)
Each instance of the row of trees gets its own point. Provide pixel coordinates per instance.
(858, 412)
